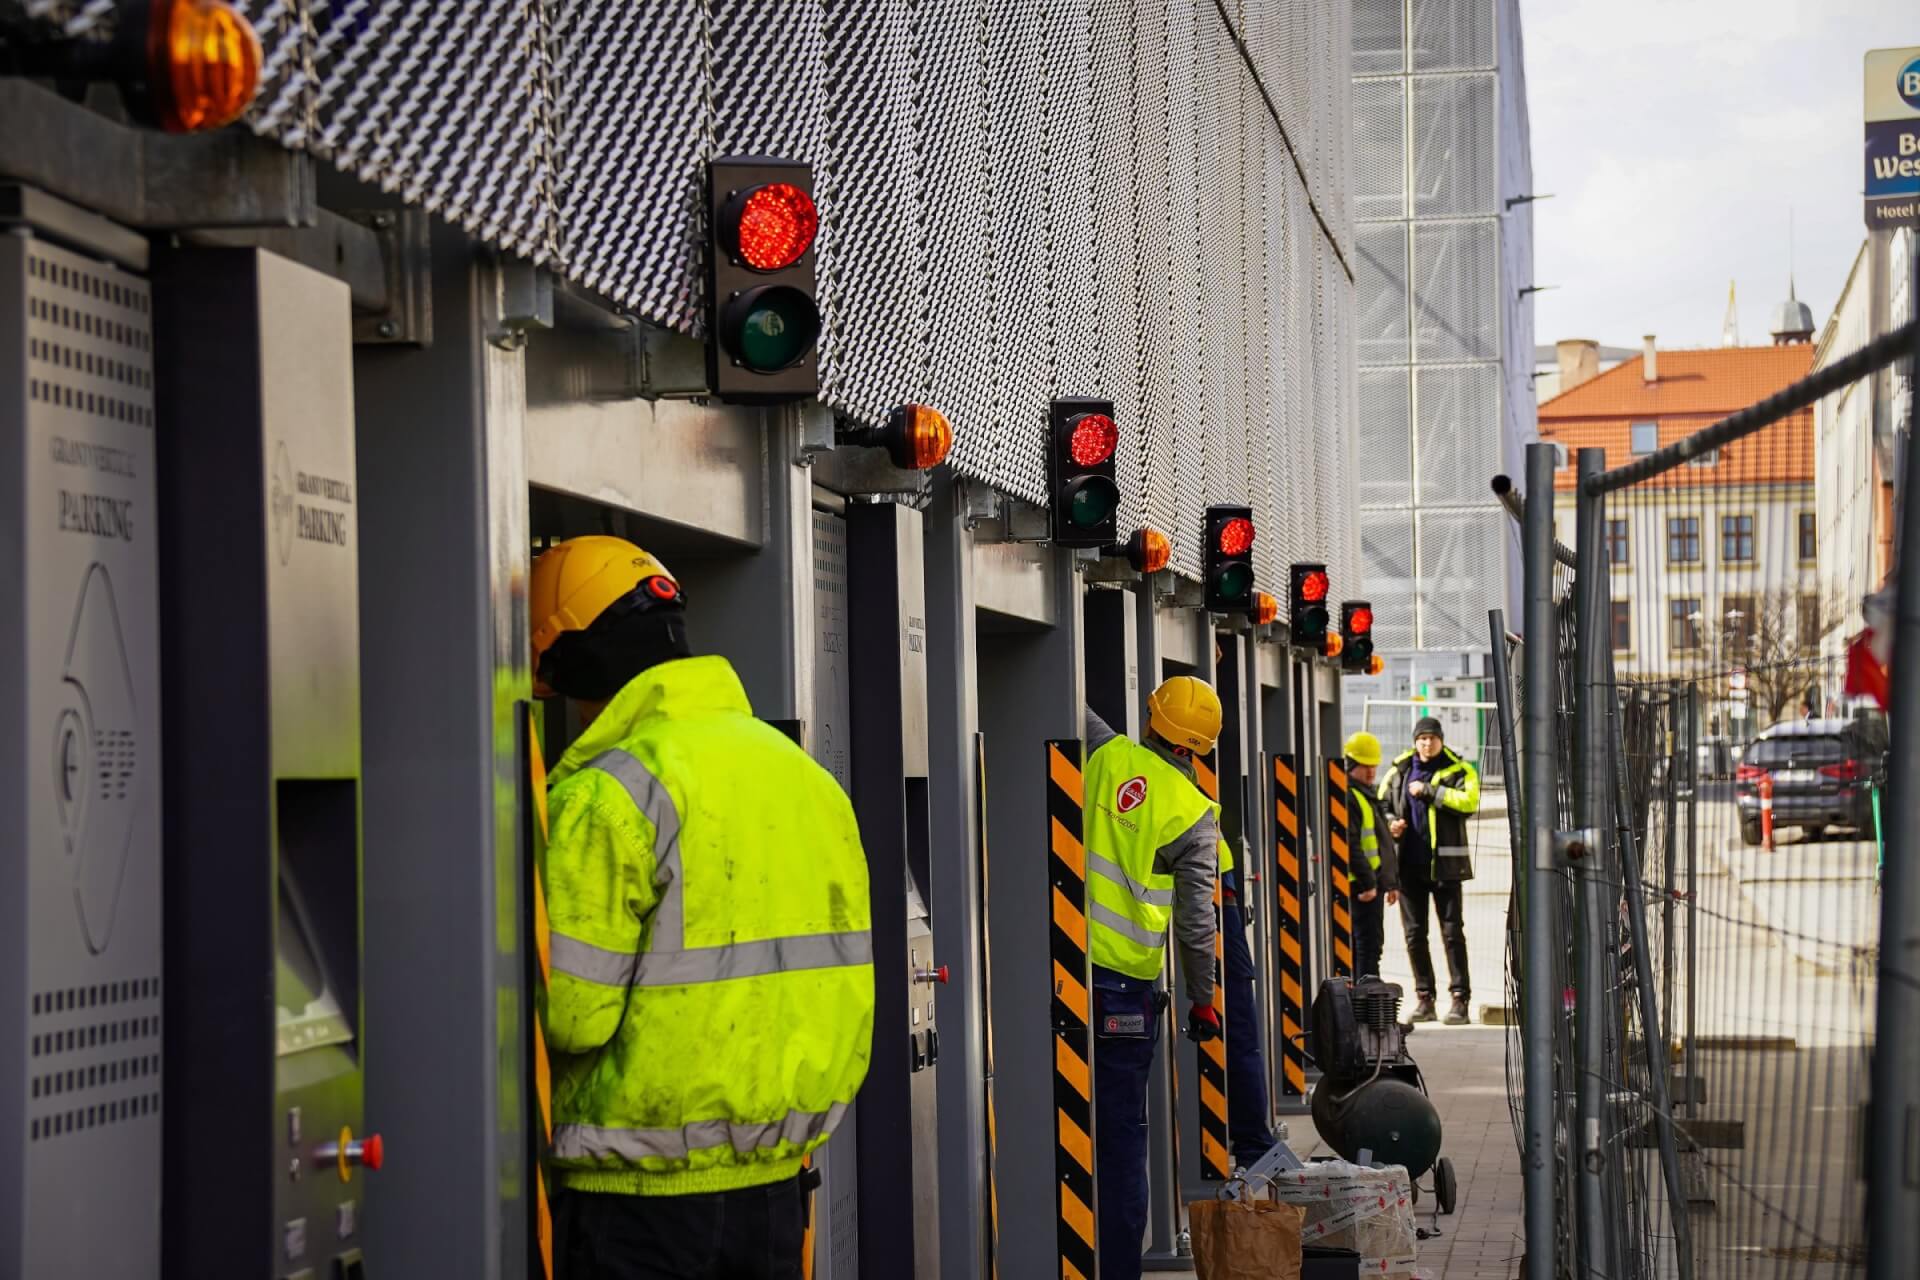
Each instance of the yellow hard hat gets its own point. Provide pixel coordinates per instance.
(577, 580)
(1186, 712)
(1363, 748)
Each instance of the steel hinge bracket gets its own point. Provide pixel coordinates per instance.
(405, 237)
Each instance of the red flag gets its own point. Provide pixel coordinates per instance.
(1866, 677)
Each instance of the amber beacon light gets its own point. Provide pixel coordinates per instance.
(1149, 550)
(203, 64)
(917, 437)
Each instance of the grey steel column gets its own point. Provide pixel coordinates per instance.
(1031, 689)
(1893, 1156)
(953, 723)
(1163, 1187)
(1693, 896)
(1540, 883)
(443, 523)
(1593, 1240)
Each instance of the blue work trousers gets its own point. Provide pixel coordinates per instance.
(1247, 1115)
(1126, 1027)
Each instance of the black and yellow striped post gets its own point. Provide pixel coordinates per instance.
(1290, 928)
(1072, 1013)
(1339, 871)
(1216, 1157)
(538, 926)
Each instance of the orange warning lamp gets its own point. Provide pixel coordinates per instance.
(1376, 664)
(1334, 644)
(1266, 608)
(1149, 550)
(203, 64)
(917, 437)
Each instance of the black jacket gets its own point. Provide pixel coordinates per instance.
(1456, 798)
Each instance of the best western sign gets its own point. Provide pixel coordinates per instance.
(1893, 138)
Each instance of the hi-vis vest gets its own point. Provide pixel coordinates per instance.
(710, 1010)
(1369, 825)
(1135, 803)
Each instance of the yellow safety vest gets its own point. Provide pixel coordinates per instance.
(711, 1003)
(1135, 803)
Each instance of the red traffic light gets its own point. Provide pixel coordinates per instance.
(1314, 586)
(1093, 439)
(1360, 621)
(1236, 536)
(773, 225)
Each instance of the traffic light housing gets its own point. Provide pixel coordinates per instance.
(1356, 633)
(763, 320)
(1226, 559)
(1084, 506)
(1307, 588)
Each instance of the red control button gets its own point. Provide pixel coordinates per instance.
(373, 1152)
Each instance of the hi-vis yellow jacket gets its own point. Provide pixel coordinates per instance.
(711, 1003)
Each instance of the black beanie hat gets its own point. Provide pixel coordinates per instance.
(1428, 724)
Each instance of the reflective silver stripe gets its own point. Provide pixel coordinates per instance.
(652, 799)
(753, 959)
(591, 1141)
(667, 961)
(583, 960)
(1126, 928)
(1107, 869)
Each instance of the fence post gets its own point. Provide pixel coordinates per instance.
(1893, 1170)
(1693, 896)
(1594, 1237)
(1540, 991)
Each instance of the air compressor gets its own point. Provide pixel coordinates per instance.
(1371, 1099)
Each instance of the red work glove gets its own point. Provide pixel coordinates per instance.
(1202, 1023)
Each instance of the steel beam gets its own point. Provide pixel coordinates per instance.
(443, 518)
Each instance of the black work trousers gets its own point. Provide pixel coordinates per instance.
(1447, 898)
(751, 1234)
(1369, 934)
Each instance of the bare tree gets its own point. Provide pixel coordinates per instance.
(1773, 635)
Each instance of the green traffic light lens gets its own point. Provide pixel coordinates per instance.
(772, 328)
(1233, 582)
(1091, 501)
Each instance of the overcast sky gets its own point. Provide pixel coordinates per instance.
(1675, 136)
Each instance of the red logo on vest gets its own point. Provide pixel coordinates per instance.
(1132, 794)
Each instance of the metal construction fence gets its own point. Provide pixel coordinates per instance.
(1144, 200)
(1707, 930)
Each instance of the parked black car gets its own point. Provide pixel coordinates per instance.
(1820, 770)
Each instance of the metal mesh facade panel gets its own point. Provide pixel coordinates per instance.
(1380, 277)
(1380, 149)
(632, 119)
(1454, 170)
(1379, 37)
(1018, 201)
(1456, 272)
(1386, 561)
(1452, 35)
(874, 342)
(1456, 551)
(1457, 435)
(1385, 438)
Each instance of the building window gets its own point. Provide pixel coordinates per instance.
(1617, 551)
(1809, 540)
(1622, 626)
(1810, 623)
(1683, 623)
(1560, 455)
(1738, 622)
(1710, 458)
(1683, 540)
(1736, 539)
(1646, 437)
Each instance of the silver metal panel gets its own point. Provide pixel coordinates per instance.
(80, 687)
(1016, 579)
(1452, 35)
(1386, 569)
(1179, 637)
(1456, 275)
(1457, 430)
(1457, 551)
(1018, 65)
(689, 464)
(1379, 36)
(1454, 173)
(1109, 205)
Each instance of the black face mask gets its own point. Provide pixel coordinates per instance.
(595, 664)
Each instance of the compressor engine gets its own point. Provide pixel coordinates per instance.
(1371, 1097)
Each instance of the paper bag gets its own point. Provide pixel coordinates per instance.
(1258, 1240)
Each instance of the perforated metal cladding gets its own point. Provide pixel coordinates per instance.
(1385, 448)
(1452, 35)
(872, 269)
(1379, 36)
(1455, 277)
(1457, 435)
(1454, 171)
(1018, 200)
(446, 105)
(1386, 559)
(1380, 152)
(1456, 552)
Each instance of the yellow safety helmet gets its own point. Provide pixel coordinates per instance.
(579, 579)
(1363, 748)
(1186, 712)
